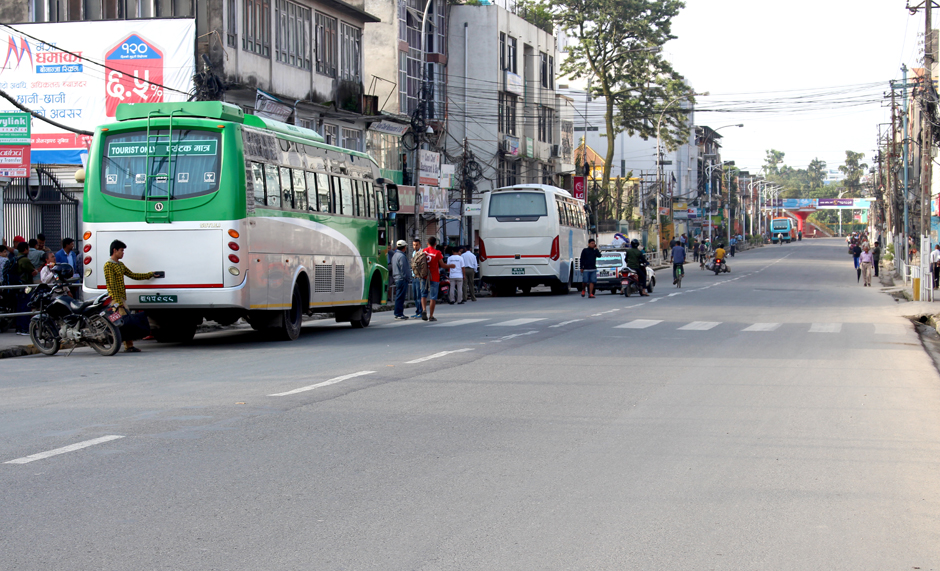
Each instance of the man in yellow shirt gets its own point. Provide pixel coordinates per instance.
(720, 252)
(114, 272)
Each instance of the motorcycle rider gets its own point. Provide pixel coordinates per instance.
(637, 262)
(720, 254)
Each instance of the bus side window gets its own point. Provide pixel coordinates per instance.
(370, 197)
(286, 192)
(300, 190)
(311, 191)
(335, 195)
(257, 174)
(272, 186)
(323, 192)
(380, 202)
(346, 196)
(361, 208)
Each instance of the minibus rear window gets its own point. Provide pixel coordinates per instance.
(517, 206)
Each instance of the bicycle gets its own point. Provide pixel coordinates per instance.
(678, 273)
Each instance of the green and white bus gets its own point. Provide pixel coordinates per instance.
(248, 217)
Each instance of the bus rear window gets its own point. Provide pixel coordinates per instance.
(517, 206)
(131, 166)
(780, 225)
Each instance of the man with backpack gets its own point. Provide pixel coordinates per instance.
(430, 265)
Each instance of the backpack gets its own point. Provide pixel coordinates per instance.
(419, 265)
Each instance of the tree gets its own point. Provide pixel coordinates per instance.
(773, 161)
(817, 173)
(615, 42)
(853, 171)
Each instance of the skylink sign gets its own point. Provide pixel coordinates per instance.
(14, 129)
(197, 148)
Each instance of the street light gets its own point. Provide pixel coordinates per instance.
(708, 169)
(659, 123)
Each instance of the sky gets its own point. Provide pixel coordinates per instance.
(836, 54)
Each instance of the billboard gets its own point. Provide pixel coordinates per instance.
(76, 73)
(14, 144)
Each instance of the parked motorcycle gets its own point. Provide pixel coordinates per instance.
(95, 323)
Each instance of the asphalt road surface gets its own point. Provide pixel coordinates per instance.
(777, 417)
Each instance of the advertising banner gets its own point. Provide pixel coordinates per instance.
(578, 187)
(429, 167)
(14, 144)
(77, 73)
(435, 199)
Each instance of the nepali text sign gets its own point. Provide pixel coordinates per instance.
(132, 149)
(62, 77)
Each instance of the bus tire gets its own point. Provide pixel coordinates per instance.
(562, 288)
(363, 317)
(292, 319)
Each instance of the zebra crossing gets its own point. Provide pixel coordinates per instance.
(821, 328)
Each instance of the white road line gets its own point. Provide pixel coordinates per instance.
(437, 355)
(762, 327)
(400, 322)
(516, 322)
(639, 324)
(513, 336)
(323, 384)
(458, 322)
(700, 326)
(889, 329)
(64, 449)
(825, 328)
(566, 323)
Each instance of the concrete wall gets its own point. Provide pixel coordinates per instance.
(380, 42)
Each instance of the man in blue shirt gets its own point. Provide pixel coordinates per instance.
(678, 258)
(66, 254)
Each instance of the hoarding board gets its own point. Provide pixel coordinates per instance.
(76, 73)
(14, 144)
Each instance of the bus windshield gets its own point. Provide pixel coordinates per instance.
(780, 224)
(194, 156)
(524, 206)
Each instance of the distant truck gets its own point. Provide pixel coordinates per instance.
(781, 230)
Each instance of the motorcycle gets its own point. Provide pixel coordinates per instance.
(719, 266)
(61, 318)
(630, 280)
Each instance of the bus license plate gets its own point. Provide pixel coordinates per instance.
(518, 271)
(157, 299)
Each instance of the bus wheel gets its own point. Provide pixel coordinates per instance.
(289, 328)
(365, 313)
(562, 288)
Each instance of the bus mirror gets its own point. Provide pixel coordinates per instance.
(392, 197)
(392, 218)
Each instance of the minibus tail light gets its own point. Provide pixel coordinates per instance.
(555, 254)
(482, 251)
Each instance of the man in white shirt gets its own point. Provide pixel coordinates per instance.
(456, 275)
(469, 273)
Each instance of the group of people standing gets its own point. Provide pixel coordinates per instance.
(31, 262)
(422, 275)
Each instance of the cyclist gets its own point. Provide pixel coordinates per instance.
(678, 258)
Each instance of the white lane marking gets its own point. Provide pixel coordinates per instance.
(762, 327)
(513, 336)
(639, 324)
(437, 355)
(399, 322)
(566, 323)
(516, 322)
(825, 328)
(889, 329)
(323, 384)
(700, 326)
(458, 322)
(64, 449)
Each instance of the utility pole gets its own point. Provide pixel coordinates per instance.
(892, 178)
(904, 142)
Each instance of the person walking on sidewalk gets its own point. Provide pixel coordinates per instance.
(856, 251)
(876, 256)
(114, 273)
(25, 272)
(588, 267)
(867, 261)
(456, 276)
(935, 265)
(469, 273)
(401, 277)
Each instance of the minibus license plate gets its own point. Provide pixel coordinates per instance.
(518, 271)
(158, 299)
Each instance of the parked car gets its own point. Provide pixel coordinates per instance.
(608, 270)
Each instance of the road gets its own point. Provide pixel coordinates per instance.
(777, 417)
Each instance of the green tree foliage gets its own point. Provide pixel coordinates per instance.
(615, 44)
(853, 169)
(817, 173)
(773, 161)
